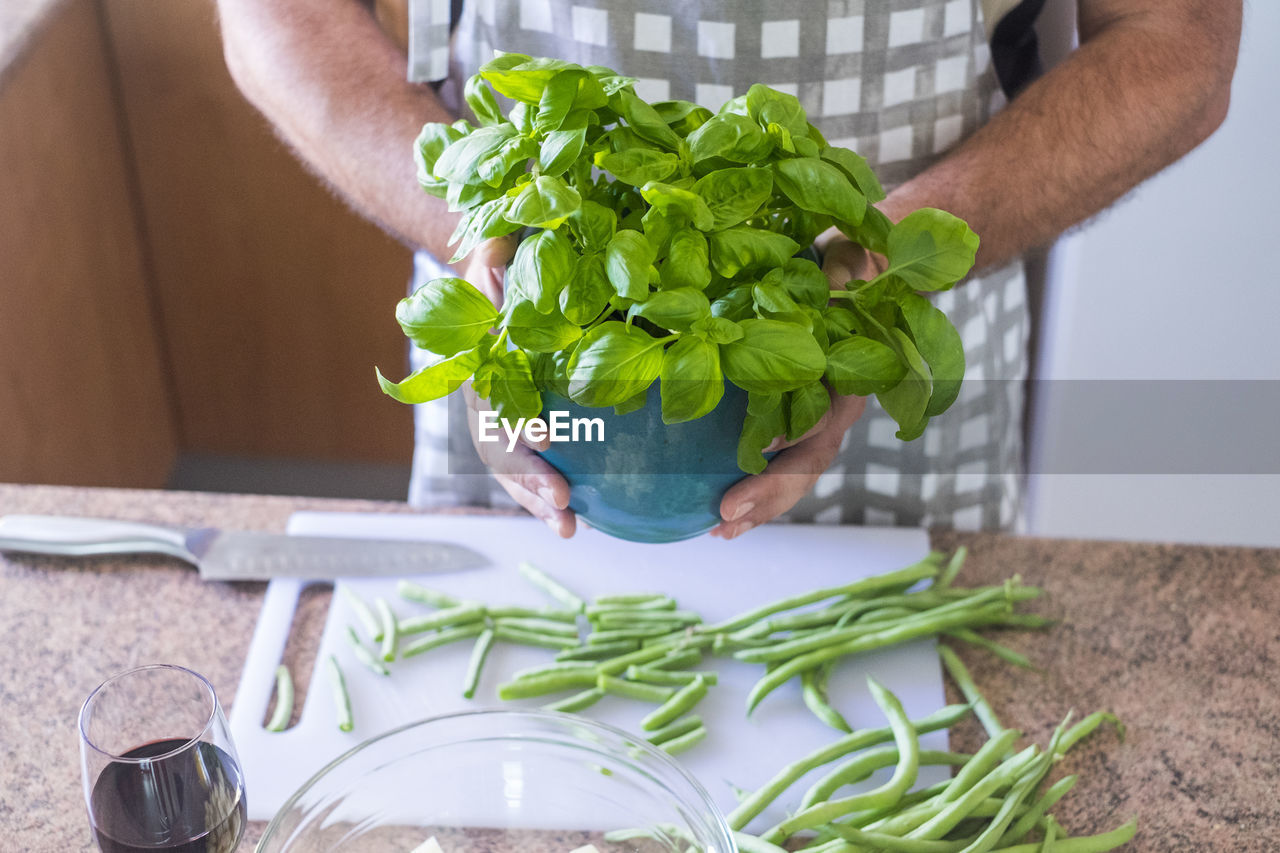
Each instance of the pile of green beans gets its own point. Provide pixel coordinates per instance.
(993, 804)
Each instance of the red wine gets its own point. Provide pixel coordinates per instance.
(192, 801)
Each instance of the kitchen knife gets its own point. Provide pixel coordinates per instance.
(235, 555)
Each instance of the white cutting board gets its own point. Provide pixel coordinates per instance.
(718, 579)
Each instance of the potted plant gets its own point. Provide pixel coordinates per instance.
(663, 245)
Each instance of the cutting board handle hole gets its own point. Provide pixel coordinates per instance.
(303, 642)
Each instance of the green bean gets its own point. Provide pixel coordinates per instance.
(552, 613)
(1028, 821)
(390, 629)
(411, 591)
(868, 840)
(1005, 653)
(814, 691)
(540, 685)
(340, 697)
(790, 648)
(1085, 727)
(653, 675)
(680, 702)
(631, 600)
(479, 652)
(595, 638)
(364, 655)
(1082, 844)
(924, 569)
(904, 775)
(751, 844)
(533, 638)
(441, 638)
(861, 767)
(372, 626)
(1050, 836)
(576, 702)
(596, 652)
(682, 639)
(541, 626)
(684, 725)
(545, 669)
(960, 675)
(627, 617)
(907, 630)
(447, 618)
(861, 739)
(1027, 620)
(1025, 786)
(686, 741)
(651, 606)
(983, 762)
(678, 659)
(283, 711)
(644, 654)
(551, 587)
(633, 689)
(957, 810)
(953, 568)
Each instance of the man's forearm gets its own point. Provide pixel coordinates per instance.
(334, 87)
(1146, 86)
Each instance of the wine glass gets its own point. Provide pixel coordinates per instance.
(160, 771)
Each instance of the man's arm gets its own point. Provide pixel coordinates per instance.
(333, 85)
(1150, 81)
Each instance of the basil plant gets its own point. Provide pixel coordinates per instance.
(663, 242)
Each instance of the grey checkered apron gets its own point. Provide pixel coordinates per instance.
(900, 82)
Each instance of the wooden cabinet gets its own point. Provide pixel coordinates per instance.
(171, 279)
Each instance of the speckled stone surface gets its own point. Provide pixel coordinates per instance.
(1182, 642)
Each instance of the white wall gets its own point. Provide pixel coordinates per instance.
(1180, 281)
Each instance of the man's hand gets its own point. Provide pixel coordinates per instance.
(791, 474)
(525, 475)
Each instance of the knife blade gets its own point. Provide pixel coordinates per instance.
(235, 555)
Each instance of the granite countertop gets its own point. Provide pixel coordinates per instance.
(1181, 641)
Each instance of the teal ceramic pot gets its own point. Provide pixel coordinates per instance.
(649, 481)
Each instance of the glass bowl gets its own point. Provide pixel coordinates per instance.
(495, 781)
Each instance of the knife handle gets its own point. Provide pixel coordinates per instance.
(78, 537)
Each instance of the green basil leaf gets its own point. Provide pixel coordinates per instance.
(733, 195)
(562, 147)
(634, 404)
(593, 225)
(839, 323)
(762, 404)
(735, 305)
(769, 106)
(545, 202)
(672, 201)
(481, 100)
(758, 432)
(692, 383)
(930, 249)
(610, 81)
(717, 330)
(746, 249)
(686, 264)
(558, 99)
(435, 380)
(907, 401)
(521, 78)
(588, 290)
(446, 316)
(512, 391)
(468, 196)
(684, 117)
(550, 370)
(459, 162)
(857, 170)
(514, 152)
(676, 309)
(643, 119)
(532, 330)
(803, 280)
(772, 298)
(773, 356)
(939, 345)
(733, 137)
(660, 225)
(805, 147)
(805, 407)
(872, 233)
(781, 138)
(613, 363)
(543, 263)
(427, 148)
(859, 365)
(818, 186)
(485, 222)
(638, 166)
(627, 263)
